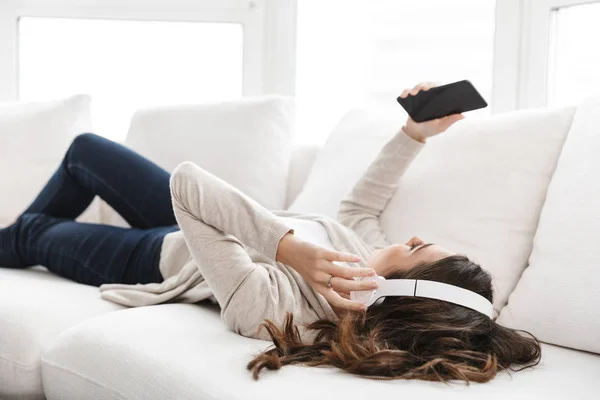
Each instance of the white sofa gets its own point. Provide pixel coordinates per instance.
(59, 340)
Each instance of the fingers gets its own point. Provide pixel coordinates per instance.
(344, 257)
(449, 120)
(421, 86)
(345, 295)
(455, 117)
(351, 285)
(346, 272)
(339, 301)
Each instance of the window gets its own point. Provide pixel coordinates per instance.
(558, 52)
(574, 61)
(354, 52)
(126, 65)
(132, 53)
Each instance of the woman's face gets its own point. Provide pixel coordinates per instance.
(402, 257)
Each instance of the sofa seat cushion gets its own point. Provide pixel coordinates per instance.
(35, 307)
(184, 351)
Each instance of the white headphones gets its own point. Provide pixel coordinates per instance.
(422, 288)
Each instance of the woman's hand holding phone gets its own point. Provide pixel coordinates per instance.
(421, 131)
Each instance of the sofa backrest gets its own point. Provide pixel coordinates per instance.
(246, 143)
(301, 162)
(477, 189)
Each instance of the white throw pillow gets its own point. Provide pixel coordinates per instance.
(558, 297)
(477, 189)
(246, 143)
(33, 141)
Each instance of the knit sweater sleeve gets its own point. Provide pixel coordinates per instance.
(361, 209)
(217, 220)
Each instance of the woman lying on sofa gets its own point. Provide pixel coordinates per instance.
(306, 282)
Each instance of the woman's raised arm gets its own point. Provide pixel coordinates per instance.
(361, 209)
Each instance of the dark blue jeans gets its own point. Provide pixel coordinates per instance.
(46, 233)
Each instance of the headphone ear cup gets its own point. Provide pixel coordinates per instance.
(379, 301)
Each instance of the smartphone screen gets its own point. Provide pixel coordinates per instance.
(442, 101)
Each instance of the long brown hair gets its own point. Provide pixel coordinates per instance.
(410, 337)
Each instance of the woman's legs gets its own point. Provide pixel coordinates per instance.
(86, 253)
(134, 186)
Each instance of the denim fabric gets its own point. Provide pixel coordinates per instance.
(93, 254)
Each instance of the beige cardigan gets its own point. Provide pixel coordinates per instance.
(232, 243)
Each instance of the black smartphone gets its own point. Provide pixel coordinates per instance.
(442, 101)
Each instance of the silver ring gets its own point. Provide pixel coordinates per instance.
(329, 281)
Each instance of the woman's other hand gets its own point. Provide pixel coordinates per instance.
(316, 265)
(421, 131)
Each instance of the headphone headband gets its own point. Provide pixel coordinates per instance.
(424, 288)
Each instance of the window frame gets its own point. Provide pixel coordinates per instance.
(269, 33)
(507, 55)
(521, 43)
(537, 42)
(522, 52)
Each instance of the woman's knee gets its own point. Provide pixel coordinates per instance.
(84, 144)
(29, 218)
(28, 223)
